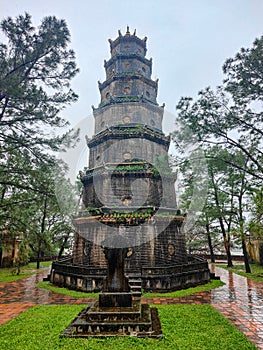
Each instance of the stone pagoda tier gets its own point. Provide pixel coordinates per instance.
(128, 186)
(128, 140)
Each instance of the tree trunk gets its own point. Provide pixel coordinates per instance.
(228, 252)
(248, 270)
(42, 231)
(226, 240)
(38, 260)
(241, 221)
(65, 240)
(212, 256)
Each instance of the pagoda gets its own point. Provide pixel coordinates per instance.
(128, 196)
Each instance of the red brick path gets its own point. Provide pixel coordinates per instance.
(240, 300)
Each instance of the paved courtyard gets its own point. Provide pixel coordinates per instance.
(240, 300)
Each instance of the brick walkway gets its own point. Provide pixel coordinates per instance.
(240, 300)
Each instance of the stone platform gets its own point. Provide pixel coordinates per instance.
(96, 321)
(109, 299)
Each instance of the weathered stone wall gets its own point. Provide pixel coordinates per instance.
(128, 85)
(158, 242)
(120, 150)
(123, 63)
(91, 279)
(128, 112)
(110, 190)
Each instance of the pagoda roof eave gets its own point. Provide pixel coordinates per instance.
(127, 55)
(125, 38)
(137, 131)
(124, 76)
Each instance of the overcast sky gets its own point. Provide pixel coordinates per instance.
(188, 40)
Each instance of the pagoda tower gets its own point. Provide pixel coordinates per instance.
(128, 187)
(128, 129)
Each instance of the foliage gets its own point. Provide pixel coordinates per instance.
(255, 226)
(184, 327)
(181, 293)
(35, 62)
(255, 275)
(6, 274)
(162, 166)
(227, 123)
(47, 226)
(37, 66)
(227, 116)
(65, 291)
(244, 74)
(189, 291)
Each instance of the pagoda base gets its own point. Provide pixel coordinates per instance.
(153, 279)
(116, 299)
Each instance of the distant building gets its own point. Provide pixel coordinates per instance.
(255, 250)
(9, 248)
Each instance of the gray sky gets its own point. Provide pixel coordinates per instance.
(188, 40)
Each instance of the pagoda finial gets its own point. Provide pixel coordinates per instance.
(128, 31)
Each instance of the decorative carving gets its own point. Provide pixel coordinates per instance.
(171, 249)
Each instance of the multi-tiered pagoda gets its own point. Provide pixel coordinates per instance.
(128, 188)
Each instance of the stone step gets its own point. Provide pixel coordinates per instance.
(147, 325)
(136, 288)
(135, 282)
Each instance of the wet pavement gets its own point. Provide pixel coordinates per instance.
(18, 296)
(240, 300)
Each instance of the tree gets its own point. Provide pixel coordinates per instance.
(37, 66)
(194, 200)
(215, 215)
(227, 196)
(231, 119)
(245, 75)
(46, 223)
(229, 115)
(255, 227)
(36, 69)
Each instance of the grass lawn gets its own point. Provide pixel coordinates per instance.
(184, 327)
(7, 275)
(180, 293)
(65, 291)
(184, 292)
(255, 275)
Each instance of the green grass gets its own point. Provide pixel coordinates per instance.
(255, 275)
(184, 292)
(65, 291)
(6, 274)
(185, 327)
(180, 293)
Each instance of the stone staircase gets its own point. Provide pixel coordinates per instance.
(117, 314)
(135, 284)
